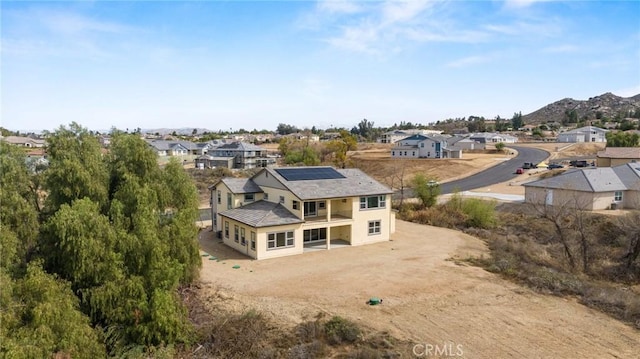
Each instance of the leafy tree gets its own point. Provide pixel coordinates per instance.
(76, 168)
(18, 209)
(570, 116)
(40, 319)
(516, 121)
(127, 242)
(427, 189)
(500, 146)
(284, 129)
(622, 139)
(340, 146)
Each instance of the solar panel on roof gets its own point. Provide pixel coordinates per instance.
(311, 173)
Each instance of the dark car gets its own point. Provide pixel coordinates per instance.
(528, 165)
(554, 166)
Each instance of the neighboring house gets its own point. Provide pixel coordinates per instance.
(583, 134)
(421, 146)
(245, 155)
(589, 189)
(492, 137)
(615, 156)
(181, 148)
(397, 135)
(24, 141)
(206, 161)
(281, 211)
(170, 148)
(464, 143)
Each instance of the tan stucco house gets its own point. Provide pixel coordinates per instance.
(589, 189)
(616, 156)
(283, 211)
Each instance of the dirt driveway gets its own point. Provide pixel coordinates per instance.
(428, 298)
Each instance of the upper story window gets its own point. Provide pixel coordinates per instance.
(249, 197)
(373, 202)
(219, 197)
(266, 196)
(229, 201)
(295, 204)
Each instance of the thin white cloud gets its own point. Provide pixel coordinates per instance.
(339, 7)
(403, 11)
(562, 49)
(468, 61)
(546, 27)
(76, 24)
(518, 4)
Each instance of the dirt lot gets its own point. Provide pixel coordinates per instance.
(428, 298)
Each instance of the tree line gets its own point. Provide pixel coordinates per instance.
(94, 248)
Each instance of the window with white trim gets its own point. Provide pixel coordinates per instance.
(281, 199)
(266, 196)
(617, 196)
(280, 240)
(249, 197)
(236, 233)
(373, 202)
(226, 229)
(219, 197)
(253, 240)
(295, 204)
(229, 201)
(243, 239)
(374, 227)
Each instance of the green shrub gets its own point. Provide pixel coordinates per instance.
(480, 213)
(340, 330)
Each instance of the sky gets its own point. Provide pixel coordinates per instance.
(230, 65)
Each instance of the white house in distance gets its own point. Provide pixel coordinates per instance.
(589, 189)
(583, 134)
(492, 137)
(397, 135)
(421, 146)
(281, 211)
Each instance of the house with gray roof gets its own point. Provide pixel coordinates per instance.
(589, 188)
(583, 134)
(288, 210)
(423, 146)
(615, 156)
(245, 155)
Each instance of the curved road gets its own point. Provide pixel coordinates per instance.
(502, 172)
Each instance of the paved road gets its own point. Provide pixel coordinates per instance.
(502, 172)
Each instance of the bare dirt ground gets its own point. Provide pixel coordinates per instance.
(428, 298)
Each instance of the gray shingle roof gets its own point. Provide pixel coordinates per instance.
(603, 179)
(620, 152)
(241, 185)
(356, 183)
(262, 214)
(629, 174)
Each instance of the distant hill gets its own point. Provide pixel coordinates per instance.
(606, 105)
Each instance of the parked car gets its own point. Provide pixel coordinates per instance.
(528, 165)
(552, 166)
(579, 163)
(520, 171)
